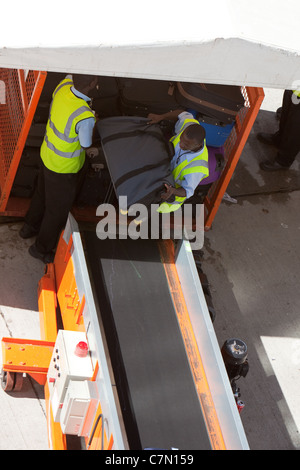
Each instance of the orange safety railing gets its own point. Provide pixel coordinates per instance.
(232, 150)
(20, 91)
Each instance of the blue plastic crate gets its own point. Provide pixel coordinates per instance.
(216, 134)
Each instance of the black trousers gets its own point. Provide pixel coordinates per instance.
(51, 203)
(288, 136)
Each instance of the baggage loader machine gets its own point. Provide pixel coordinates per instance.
(128, 356)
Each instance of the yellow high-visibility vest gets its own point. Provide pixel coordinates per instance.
(61, 151)
(199, 164)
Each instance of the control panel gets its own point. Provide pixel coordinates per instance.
(70, 361)
(79, 409)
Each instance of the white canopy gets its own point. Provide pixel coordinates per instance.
(236, 42)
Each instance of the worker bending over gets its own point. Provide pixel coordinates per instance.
(68, 137)
(189, 164)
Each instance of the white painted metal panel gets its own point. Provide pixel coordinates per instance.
(219, 385)
(221, 41)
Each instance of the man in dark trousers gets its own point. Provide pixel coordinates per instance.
(287, 138)
(67, 140)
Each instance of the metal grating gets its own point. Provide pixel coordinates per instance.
(19, 94)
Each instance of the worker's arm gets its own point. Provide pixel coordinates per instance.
(187, 188)
(171, 191)
(171, 115)
(85, 129)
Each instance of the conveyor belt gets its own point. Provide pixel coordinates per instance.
(158, 398)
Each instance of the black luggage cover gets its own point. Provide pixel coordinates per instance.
(138, 158)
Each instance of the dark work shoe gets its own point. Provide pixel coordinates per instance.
(266, 138)
(272, 166)
(44, 257)
(278, 113)
(27, 231)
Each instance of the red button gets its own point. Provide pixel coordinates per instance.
(81, 349)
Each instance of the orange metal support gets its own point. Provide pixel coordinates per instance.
(71, 306)
(22, 84)
(99, 441)
(212, 423)
(16, 113)
(233, 150)
(48, 325)
(47, 304)
(56, 439)
(27, 356)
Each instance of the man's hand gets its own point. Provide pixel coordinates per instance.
(154, 118)
(171, 115)
(168, 192)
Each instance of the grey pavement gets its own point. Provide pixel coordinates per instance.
(252, 261)
(251, 257)
(22, 414)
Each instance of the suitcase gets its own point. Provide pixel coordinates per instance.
(216, 132)
(27, 174)
(94, 188)
(25, 182)
(139, 97)
(105, 99)
(222, 102)
(138, 158)
(216, 164)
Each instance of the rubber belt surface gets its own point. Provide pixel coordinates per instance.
(157, 394)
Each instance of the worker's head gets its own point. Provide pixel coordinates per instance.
(84, 83)
(192, 138)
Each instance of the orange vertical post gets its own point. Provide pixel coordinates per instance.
(47, 303)
(233, 151)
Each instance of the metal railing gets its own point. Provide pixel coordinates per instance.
(20, 91)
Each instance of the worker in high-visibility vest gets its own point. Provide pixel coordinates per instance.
(189, 164)
(68, 137)
(287, 138)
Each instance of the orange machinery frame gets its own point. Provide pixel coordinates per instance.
(22, 93)
(233, 149)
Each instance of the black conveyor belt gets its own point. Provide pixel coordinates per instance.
(157, 394)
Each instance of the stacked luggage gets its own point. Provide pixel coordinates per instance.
(139, 97)
(214, 106)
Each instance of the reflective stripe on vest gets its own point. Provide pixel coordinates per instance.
(199, 164)
(61, 150)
